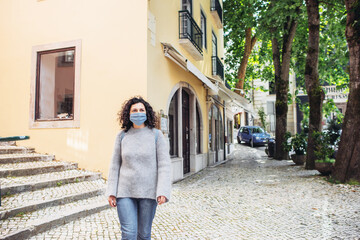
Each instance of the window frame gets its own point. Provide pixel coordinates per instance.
(202, 15)
(184, 4)
(214, 43)
(55, 123)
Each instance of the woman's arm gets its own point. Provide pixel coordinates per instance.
(114, 169)
(164, 169)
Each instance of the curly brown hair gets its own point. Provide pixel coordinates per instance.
(124, 113)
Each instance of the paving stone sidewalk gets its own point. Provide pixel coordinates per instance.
(249, 197)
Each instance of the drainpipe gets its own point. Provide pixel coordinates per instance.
(224, 129)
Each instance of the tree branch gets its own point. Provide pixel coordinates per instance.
(330, 4)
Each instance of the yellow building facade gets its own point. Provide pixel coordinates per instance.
(109, 54)
(67, 66)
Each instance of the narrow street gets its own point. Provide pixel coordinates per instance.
(249, 197)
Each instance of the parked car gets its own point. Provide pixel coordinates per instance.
(253, 135)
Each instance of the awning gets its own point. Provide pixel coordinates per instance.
(234, 97)
(179, 59)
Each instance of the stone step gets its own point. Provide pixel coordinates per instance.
(32, 223)
(33, 168)
(24, 157)
(31, 201)
(13, 185)
(15, 149)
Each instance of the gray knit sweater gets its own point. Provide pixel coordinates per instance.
(144, 168)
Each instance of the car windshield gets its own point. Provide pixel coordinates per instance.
(257, 130)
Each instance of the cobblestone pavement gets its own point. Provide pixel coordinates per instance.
(249, 197)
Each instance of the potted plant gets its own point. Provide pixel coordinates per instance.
(325, 166)
(299, 145)
(324, 162)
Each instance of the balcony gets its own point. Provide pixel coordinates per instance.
(217, 12)
(190, 35)
(217, 68)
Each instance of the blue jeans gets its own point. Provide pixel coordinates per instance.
(136, 216)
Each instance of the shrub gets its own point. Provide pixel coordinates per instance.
(299, 143)
(287, 144)
(323, 150)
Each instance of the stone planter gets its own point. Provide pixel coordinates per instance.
(298, 159)
(325, 168)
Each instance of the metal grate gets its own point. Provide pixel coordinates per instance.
(188, 29)
(217, 67)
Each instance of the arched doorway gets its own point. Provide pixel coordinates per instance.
(185, 127)
(216, 132)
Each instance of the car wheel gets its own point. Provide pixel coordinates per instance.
(251, 143)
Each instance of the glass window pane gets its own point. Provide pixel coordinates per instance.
(214, 45)
(203, 29)
(55, 85)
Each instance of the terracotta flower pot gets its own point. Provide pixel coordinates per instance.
(325, 168)
(298, 159)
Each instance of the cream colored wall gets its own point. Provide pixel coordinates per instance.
(261, 98)
(113, 68)
(164, 74)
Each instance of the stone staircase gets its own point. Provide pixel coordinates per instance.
(39, 193)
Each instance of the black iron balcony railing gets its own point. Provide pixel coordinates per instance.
(188, 29)
(215, 6)
(217, 67)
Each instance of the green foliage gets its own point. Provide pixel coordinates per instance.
(353, 182)
(287, 143)
(59, 183)
(262, 116)
(265, 16)
(238, 16)
(333, 130)
(305, 109)
(323, 149)
(326, 160)
(299, 143)
(333, 52)
(332, 180)
(329, 107)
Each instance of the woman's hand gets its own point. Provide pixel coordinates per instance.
(161, 200)
(112, 201)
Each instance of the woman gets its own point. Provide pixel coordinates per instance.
(139, 175)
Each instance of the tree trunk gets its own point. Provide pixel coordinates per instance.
(313, 88)
(347, 165)
(282, 85)
(249, 45)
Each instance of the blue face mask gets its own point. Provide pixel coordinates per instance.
(138, 118)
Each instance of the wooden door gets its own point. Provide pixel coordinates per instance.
(186, 130)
